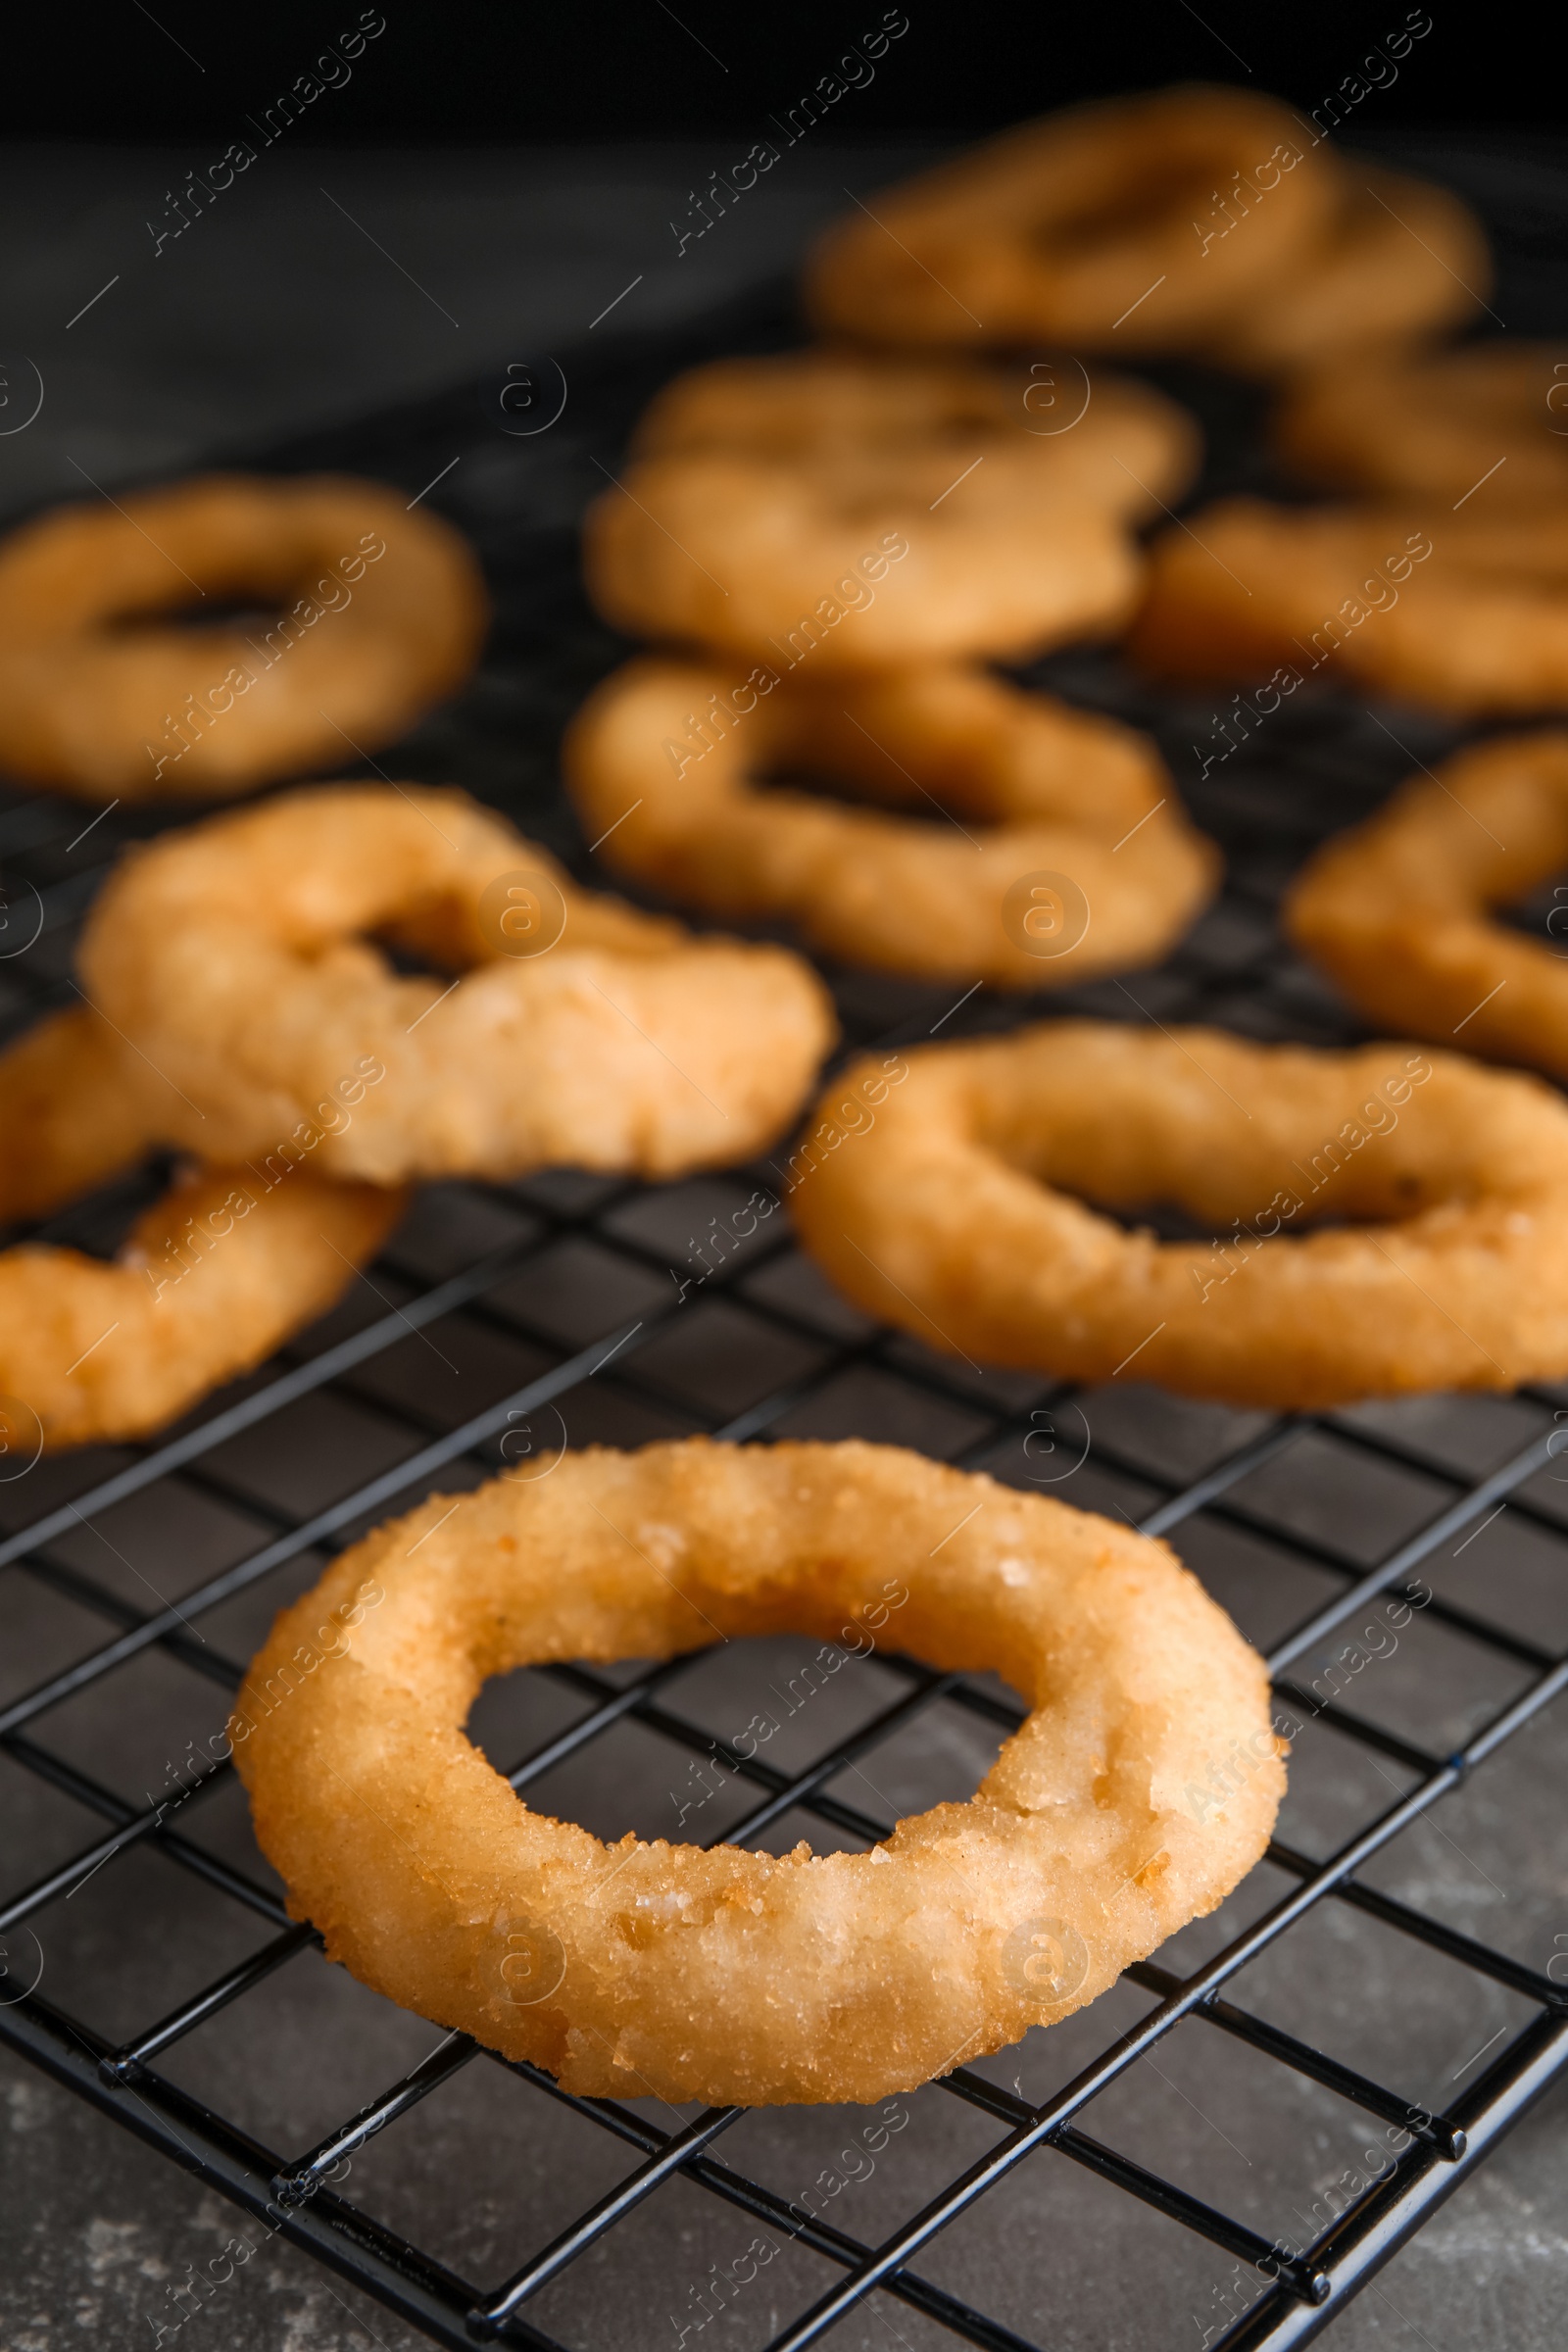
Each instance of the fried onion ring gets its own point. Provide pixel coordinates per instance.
(1401, 259)
(1052, 791)
(1396, 911)
(73, 1112)
(235, 957)
(106, 690)
(953, 1215)
(730, 1975)
(1098, 437)
(1433, 423)
(1469, 616)
(1150, 218)
(863, 562)
(209, 1281)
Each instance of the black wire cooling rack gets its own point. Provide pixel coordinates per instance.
(1250, 2124)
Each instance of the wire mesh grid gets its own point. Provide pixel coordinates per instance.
(1251, 2123)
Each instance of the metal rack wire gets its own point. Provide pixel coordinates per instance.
(563, 1297)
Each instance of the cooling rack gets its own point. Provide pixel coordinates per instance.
(1233, 2140)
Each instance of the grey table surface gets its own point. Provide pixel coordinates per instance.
(326, 284)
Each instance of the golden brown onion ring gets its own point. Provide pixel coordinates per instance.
(858, 562)
(1401, 260)
(210, 1278)
(1076, 435)
(663, 760)
(727, 1975)
(238, 957)
(1465, 612)
(108, 691)
(963, 1213)
(1131, 224)
(1436, 425)
(1398, 911)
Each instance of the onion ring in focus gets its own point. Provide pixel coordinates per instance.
(730, 1975)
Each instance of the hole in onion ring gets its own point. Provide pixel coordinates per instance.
(1170, 1221)
(853, 793)
(97, 1223)
(1166, 187)
(781, 1699)
(245, 615)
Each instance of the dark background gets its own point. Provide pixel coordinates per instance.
(481, 70)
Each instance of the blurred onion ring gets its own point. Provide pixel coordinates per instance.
(1129, 449)
(1466, 613)
(1019, 784)
(112, 684)
(962, 1213)
(1436, 425)
(721, 1974)
(856, 562)
(239, 956)
(1397, 911)
(1153, 220)
(1400, 261)
(218, 1270)
(870, 512)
